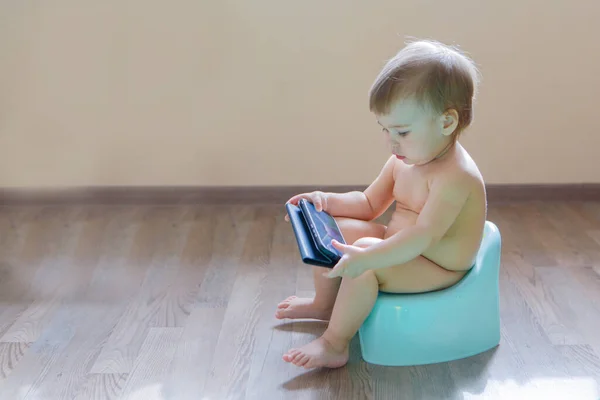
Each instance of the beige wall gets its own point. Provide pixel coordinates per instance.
(148, 92)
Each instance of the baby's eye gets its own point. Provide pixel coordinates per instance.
(403, 133)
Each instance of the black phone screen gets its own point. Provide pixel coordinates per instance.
(326, 227)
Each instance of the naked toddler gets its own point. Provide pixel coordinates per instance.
(423, 100)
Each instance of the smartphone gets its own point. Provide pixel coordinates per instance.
(323, 229)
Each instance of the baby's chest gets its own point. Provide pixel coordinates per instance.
(411, 188)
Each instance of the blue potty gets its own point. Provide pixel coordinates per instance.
(449, 324)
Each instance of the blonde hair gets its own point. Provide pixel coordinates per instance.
(437, 75)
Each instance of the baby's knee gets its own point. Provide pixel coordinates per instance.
(368, 275)
(353, 229)
(365, 242)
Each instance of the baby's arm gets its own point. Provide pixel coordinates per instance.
(447, 196)
(369, 204)
(366, 205)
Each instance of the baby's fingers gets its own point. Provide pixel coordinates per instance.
(336, 271)
(294, 200)
(319, 199)
(316, 198)
(318, 203)
(340, 246)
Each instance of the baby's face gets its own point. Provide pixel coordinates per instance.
(415, 135)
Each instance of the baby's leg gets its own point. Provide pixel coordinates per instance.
(355, 301)
(326, 289)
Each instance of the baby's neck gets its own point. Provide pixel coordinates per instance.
(443, 152)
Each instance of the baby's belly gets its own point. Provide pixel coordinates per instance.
(455, 252)
(401, 218)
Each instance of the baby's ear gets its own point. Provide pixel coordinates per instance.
(449, 122)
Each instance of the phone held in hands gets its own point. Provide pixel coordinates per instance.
(314, 232)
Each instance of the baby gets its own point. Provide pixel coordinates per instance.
(423, 100)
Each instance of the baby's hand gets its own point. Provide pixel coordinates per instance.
(318, 198)
(352, 263)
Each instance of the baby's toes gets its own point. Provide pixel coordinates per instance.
(286, 302)
(297, 356)
(302, 361)
(282, 311)
(310, 363)
(290, 355)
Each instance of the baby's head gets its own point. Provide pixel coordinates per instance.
(423, 98)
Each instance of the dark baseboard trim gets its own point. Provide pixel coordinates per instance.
(544, 192)
(497, 193)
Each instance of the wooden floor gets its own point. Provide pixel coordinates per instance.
(143, 302)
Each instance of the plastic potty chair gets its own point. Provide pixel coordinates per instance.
(449, 324)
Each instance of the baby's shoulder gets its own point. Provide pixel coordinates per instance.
(463, 164)
(459, 171)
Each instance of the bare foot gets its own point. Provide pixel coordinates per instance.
(318, 353)
(298, 307)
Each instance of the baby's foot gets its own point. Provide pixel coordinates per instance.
(318, 353)
(298, 307)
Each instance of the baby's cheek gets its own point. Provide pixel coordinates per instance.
(390, 144)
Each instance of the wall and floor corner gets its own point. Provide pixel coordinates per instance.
(118, 94)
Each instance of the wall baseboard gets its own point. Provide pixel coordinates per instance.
(497, 193)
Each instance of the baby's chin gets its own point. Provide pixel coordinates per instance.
(410, 161)
(404, 159)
